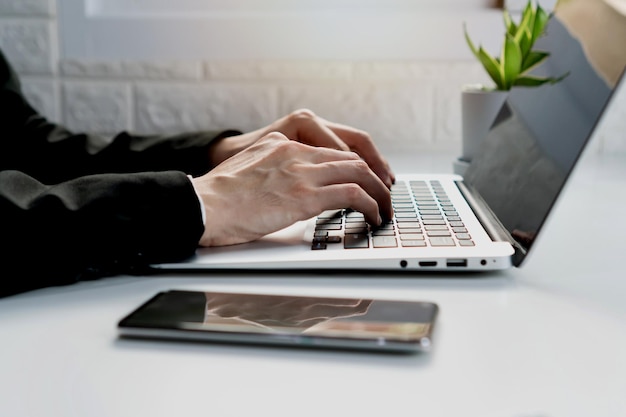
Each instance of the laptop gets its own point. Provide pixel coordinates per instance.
(486, 220)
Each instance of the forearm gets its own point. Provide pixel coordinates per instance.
(93, 226)
(52, 154)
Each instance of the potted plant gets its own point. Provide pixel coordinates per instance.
(480, 104)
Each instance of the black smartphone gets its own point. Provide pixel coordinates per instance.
(342, 323)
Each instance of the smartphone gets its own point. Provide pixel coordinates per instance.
(326, 322)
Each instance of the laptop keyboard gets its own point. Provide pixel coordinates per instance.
(423, 216)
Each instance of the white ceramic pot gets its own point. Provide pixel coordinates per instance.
(479, 108)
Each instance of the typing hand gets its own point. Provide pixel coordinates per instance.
(276, 182)
(306, 127)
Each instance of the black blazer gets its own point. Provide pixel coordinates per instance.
(74, 206)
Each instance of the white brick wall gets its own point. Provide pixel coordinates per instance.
(405, 105)
(31, 8)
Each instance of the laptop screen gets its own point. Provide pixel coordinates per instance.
(537, 138)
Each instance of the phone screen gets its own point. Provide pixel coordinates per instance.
(285, 319)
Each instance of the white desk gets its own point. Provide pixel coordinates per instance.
(546, 340)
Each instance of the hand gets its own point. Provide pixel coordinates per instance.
(276, 182)
(306, 127)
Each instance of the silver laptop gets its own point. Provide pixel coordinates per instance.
(486, 220)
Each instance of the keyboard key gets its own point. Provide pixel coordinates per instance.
(413, 243)
(357, 231)
(330, 214)
(409, 231)
(356, 225)
(431, 217)
(428, 221)
(383, 232)
(333, 220)
(463, 236)
(325, 239)
(356, 241)
(333, 239)
(439, 233)
(409, 225)
(384, 242)
(442, 241)
(459, 230)
(412, 236)
(328, 227)
(436, 227)
(466, 243)
(318, 246)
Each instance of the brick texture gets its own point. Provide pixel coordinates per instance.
(404, 105)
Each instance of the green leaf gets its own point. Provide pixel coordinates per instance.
(528, 19)
(511, 27)
(469, 42)
(517, 56)
(541, 20)
(532, 59)
(559, 79)
(530, 81)
(491, 64)
(492, 67)
(525, 43)
(511, 61)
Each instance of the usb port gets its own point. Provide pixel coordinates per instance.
(456, 262)
(427, 263)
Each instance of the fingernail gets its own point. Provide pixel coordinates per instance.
(380, 220)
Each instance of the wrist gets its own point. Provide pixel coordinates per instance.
(200, 202)
(224, 146)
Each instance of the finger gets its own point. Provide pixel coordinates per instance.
(361, 143)
(324, 155)
(313, 131)
(350, 195)
(357, 172)
(309, 153)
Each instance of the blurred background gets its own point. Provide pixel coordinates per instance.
(392, 67)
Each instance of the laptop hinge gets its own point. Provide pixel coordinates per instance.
(488, 219)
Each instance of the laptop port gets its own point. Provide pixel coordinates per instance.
(427, 263)
(456, 262)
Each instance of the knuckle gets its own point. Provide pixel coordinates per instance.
(301, 115)
(284, 149)
(353, 192)
(284, 145)
(362, 139)
(364, 136)
(361, 165)
(276, 136)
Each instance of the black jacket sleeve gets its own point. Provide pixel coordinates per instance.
(74, 206)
